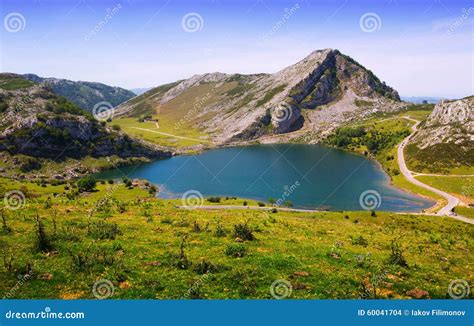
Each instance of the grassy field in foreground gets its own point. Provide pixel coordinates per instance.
(147, 248)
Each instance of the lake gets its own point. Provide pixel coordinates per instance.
(308, 176)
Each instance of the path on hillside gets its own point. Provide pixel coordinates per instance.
(170, 135)
(452, 201)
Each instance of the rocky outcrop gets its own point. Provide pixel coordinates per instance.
(450, 122)
(446, 139)
(36, 122)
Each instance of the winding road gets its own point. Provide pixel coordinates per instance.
(446, 210)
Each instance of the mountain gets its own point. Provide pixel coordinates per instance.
(85, 94)
(37, 122)
(421, 99)
(140, 91)
(313, 96)
(446, 139)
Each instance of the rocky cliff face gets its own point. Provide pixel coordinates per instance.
(85, 94)
(446, 139)
(320, 92)
(36, 122)
(450, 122)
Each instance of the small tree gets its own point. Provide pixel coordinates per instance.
(87, 183)
(43, 243)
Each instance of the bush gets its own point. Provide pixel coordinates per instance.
(214, 199)
(235, 251)
(43, 243)
(87, 183)
(260, 204)
(245, 203)
(396, 255)
(220, 231)
(243, 231)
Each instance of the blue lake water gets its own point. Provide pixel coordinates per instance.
(310, 176)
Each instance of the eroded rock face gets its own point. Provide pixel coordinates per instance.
(243, 107)
(450, 122)
(37, 123)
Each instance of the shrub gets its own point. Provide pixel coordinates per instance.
(396, 255)
(220, 231)
(43, 243)
(260, 204)
(205, 266)
(235, 250)
(243, 231)
(214, 199)
(360, 241)
(87, 183)
(245, 203)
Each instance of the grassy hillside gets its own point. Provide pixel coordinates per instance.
(148, 248)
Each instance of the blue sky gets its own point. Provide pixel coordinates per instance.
(422, 48)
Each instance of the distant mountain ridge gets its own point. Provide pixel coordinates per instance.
(36, 122)
(85, 94)
(316, 94)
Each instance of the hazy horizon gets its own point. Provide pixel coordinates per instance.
(420, 49)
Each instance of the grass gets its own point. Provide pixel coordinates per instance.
(180, 116)
(465, 211)
(130, 125)
(461, 186)
(11, 83)
(157, 251)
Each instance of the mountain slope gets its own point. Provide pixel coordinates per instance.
(446, 139)
(38, 123)
(316, 94)
(85, 94)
